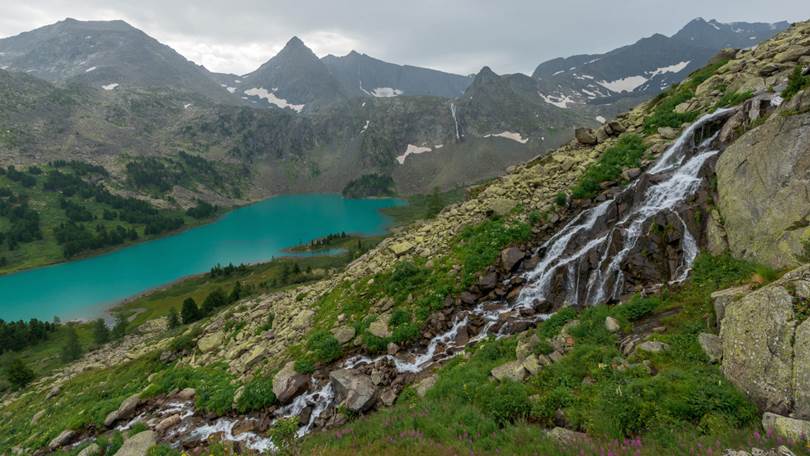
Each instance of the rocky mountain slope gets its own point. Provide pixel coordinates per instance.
(105, 54)
(363, 76)
(397, 353)
(630, 74)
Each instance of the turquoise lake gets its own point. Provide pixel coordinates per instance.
(86, 288)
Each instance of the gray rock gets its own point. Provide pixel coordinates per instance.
(379, 328)
(567, 438)
(210, 342)
(37, 416)
(62, 439)
(288, 383)
(53, 392)
(138, 444)
(712, 346)
(652, 346)
(757, 336)
(612, 325)
(124, 410)
(512, 370)
(585, 136)
(723, 298)
(510, 257)
(356, 390)
(425, 384)
(344, 334)
(786, 427)
(801, 371)
(91, 450)
(501, 206)
(187, 394)
(668, 132)
(488, 281)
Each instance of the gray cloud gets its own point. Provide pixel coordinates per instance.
(453, 35)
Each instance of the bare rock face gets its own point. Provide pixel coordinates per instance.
(357, 390)
(763, 185)
(766, 344)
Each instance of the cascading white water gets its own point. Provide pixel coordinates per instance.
(455, 121)
(661, 197)
(606, 279)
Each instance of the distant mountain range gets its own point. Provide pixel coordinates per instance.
(108, 93)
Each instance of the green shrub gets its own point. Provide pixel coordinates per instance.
(161, 450)
(545, 408)
(257, 395)
(507, 401)
(18, 374)
(554, 324)
(626, 153)
(561, 199)
(304, 366)
(324, 346)
(283, 434)
(637, 308)
(733, 99)
(796, 82)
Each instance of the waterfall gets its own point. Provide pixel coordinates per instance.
(587, 254)
(455, 121)
(583, 263)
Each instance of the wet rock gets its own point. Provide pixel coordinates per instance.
(425, 384)
(62, 439)
(585, 136)
(288, 383)
(124, 410)
(358, 392)
(612, 325)
(305, 415)
(510, 257)
(468, 298)
(138, 444)
(392, 348)
(167, 423)
(344, 334)
(512, 370)
(712, 346)
(488, 281)
(786, 427)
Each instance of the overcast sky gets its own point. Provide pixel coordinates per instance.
(460, 36)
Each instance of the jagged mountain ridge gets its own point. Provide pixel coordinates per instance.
(645, 68)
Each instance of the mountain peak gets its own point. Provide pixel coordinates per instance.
(295, 42)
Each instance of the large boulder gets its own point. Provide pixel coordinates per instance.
(757, 334)
(356, 390)
(288, 383)
(512, 370)
(510, 257)
(138, 444)
(786, 427)
(585, 136)
(124, 410)
(764, 191)
(62, 439)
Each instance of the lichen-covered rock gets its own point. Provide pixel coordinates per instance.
(801, 371)
(757, 334)
(764, 191)
(379, 328)
(138, 444)
(512, 370)
(585, 136)
(786, 427)
(210, 342)
(343, 334)
(712, 346)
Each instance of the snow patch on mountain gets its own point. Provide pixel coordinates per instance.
(386, 92)
(412, 150)
(627, 84)
(231, 89)
(509, 135)
(90, 69)
(601, 119)
(272, 98)
(109, 87)
(560, 101)
(676, 68)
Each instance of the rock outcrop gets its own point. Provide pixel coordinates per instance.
(766, 345)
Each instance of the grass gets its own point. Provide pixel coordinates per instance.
(796, 83)
(685, 407)
(626, 153)
(422, 207)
